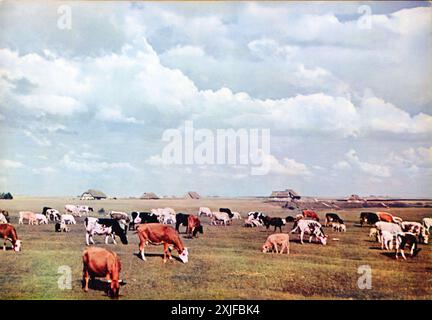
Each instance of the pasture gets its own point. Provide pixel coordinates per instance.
(224, 262)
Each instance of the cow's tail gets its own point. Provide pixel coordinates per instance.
(86, 222)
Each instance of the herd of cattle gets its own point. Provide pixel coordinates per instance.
(155, 228)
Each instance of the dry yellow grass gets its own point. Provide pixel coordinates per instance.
(225, 262)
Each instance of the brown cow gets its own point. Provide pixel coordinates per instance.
(101, 262)
(386, 217)
(8, 232)
(194, 226)
(310, 214)
(156, 234)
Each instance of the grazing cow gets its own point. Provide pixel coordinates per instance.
(227, 211)
(27, 215)
(311, 227)
(8, 232)
(61, 227)
(393, 228)
(3, 218)
(276, 222)
(332, 217)
(427, 223)
(310, 214)
(204, 211)
(274, 240)
(338, 227)
(181, 220)
(5, 214)
(251, 223)
(194, 226)
(107, 227)
(41, 219)
(220, 218)
(416, 228)
(51, 214)
(255, 215)
(406, 239)
(77, 210)
(385, 216)
(142, 217)
(100, 262)
(369, 218)
(67, 219)
(156, 234)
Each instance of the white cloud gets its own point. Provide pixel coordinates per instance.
(44, 170)
(40, 140)
(10, 164)
(366, 167)
(289, 167)
(114, 114)
(76, 163)
(342, 165)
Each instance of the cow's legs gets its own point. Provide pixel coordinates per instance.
(4, 245)
(86, 278)
(113, 238)
(106, 238)
(165, 252)
(301, 236)
(87, 239)
(91, 239)
(141, 249)
(412, 249)
(403, 254)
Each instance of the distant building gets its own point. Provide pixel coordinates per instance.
(6, 196)
(355, 198)
(92, 194)
(286, 194)
(149, 196)
(192, 195)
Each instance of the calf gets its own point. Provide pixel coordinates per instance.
(41, 219)
(157, 234)
(373, 233)
(313, 228)
(338, 227)
(220, 217)
(236, 215)
(27, 215)
(181, 220)
(274, 240)
(100, 262)
(332, 217)
(406, 239)
(427, 223)
(387, 239)
(194, 226)
(8, 232)
(276, 222)
(204, 211)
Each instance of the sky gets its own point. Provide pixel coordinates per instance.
(88, 89)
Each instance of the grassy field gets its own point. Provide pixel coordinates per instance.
(224, 262)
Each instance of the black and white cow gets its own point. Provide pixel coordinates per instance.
(406, 239)
(228, 211)
(181, 220)
(142, 217)
(314, 228)
(51, 214)
(332, 217)
(104, 226)
(368, 218)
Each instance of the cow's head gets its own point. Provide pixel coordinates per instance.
(266, 247)
(198, 229)
(424, 237)
(90, 209)
(121, 232)
(319, 233)
(184, 255)
(114, 289)
(17, 246)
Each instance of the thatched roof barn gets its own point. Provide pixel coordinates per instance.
(92, 194)
(149, 196)
(355, 198)
(287, 193)
(192, 195)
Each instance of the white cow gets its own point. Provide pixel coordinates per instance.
(2, 218)
(393, 228)
(387, 239)
(220, 218)
(205, 211)
(427, 223)
(311, 227)
(67, 219)
(41, 219)
(236, 215)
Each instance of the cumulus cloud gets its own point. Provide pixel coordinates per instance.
(10, 164)
(80, 164)
(44, 170)
(373, 169)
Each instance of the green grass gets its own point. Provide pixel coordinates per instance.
(224, 262)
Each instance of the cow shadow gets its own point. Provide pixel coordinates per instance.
(160, 255)
(392, 254)
(100, 285)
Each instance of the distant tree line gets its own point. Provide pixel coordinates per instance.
(6, 195)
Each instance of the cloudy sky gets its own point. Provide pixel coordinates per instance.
(346, 95)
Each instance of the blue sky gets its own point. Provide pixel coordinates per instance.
(349, 108)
